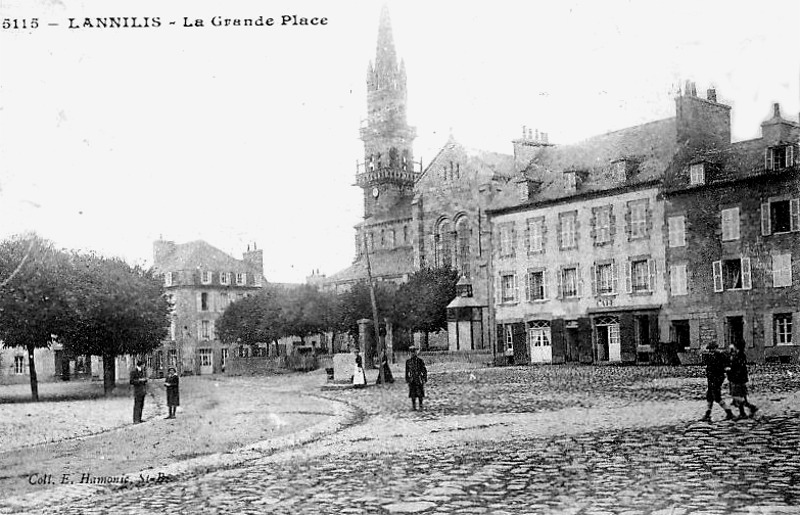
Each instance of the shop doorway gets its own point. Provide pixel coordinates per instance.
(540, 341)
(735, 331)
(571, 349)
(680, 334)
(608, 343)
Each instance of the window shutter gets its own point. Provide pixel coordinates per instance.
(673, 280)
(766, 226)
(199, 302)
(681, 231)
(579, 280)
(516, 288)
(685, 279)
(528, 285)
(629, 277)
(769, 330)
(199, 330)
(794, 214)
(716, 267)
(594, 279)
(513, 242)
(545, 286)
(735, 223)
(790, 155)
(244, 278)
(747, 280)
(498, 295)
(211, 334)
(788, 267)
(559, 284)
(768, 159)
(651, 279)
(528, 236)
(614, 277)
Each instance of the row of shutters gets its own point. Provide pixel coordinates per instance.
(651, 278)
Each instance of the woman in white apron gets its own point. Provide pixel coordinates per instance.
(359, 377)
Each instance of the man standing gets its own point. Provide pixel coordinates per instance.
(416, 377)
(716, 363)
(139, 382)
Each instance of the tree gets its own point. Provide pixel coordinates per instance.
(421, 304)
(118, 310)
(356, 304)
(255, 319)
(33, 296)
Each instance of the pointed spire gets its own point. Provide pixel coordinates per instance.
(385, 67)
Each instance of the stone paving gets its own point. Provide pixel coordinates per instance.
(618, 451)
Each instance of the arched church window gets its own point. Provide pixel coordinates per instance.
(383, 238)
(444, 245)
(392, 157)
(463, 236)
(405, 160)
(371, 163)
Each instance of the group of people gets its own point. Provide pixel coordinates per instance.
(732, 364)
(416, 376)
(139, 381)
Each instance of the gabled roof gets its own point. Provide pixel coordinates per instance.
(481, 166)
(199, 255)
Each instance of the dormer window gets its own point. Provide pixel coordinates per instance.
(205, 277)
(570, 181)
(697, 174)
(225, 278)
(241, 278)
(779, 157)
(169, 279)
(620, 170)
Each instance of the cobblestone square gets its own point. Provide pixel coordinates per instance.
(549, 440)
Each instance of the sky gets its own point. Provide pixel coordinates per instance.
(113, 138)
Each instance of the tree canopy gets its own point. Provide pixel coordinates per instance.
(34, 298)
(118, 309)
(421, 303)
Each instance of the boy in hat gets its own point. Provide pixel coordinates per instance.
(716, 363)
(416, 377)
(139, 382)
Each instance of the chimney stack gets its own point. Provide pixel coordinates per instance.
(776, 110)
(524, 132)
(712, 94)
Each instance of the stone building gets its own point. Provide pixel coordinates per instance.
(578, 259)
(417, 216)
(733, 214)
(201, 281)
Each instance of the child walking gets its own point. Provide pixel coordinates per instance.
(173, 395)
(716, 363)
(737, 378)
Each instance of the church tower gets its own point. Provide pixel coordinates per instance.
(387, 174)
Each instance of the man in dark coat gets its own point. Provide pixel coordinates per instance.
(716, 363)
(416, 377)
(737, 379)
(139, 382)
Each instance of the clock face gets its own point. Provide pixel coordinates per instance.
(375, 192)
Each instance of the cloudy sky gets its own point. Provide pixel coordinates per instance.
(110, 139)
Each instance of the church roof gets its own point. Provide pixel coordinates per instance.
(384, 263)
(400, 211)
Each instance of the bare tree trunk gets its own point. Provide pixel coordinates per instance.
(32, 373)
(109, 374)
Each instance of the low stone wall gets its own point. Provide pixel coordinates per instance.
(430, 357)
(238, 366)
